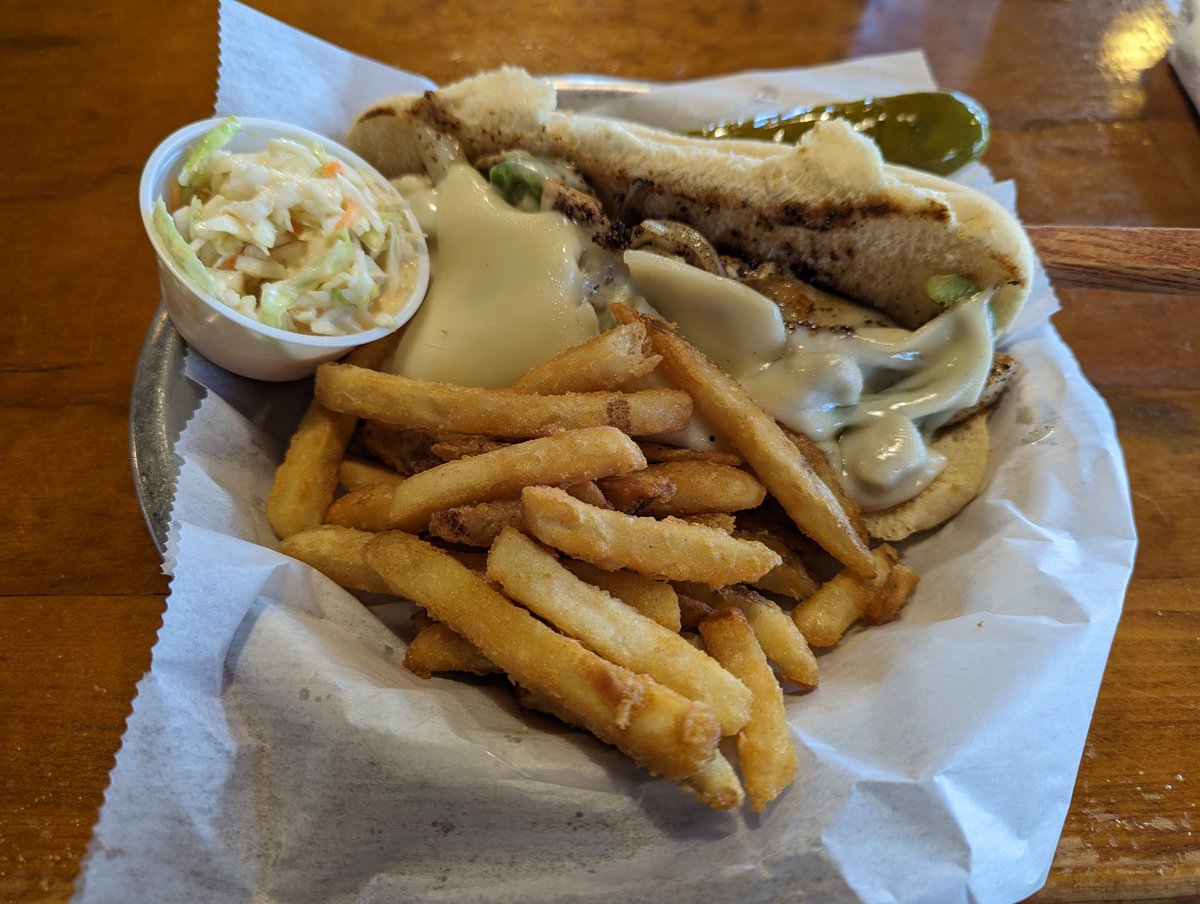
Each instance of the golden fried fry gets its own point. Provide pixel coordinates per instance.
(656, 452)
(652, 598)
(505, 413)
(658, 727)
(632, 493)
(817, 460)
(405, 450)
(589, 491)
(774, 459)
(475, 525)
(531, 574)
(790, 577)
(842, 600)
(722, 521)
(306, 480)
(336, 552)
(692, 611)
(777, 634)
(766, 751)
(610, 361)
(464, 447)
(716, 784)
(356, 473)
(670, 549)
(900, 584)
(368, 509)
(438, 648)
(783, 643)
(564, 458)
(702, 486)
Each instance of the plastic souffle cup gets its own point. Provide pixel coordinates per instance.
(228, 338)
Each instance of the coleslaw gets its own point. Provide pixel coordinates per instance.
(290, 236)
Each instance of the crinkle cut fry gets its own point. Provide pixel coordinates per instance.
(662, 730)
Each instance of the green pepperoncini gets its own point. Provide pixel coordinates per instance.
(932, 131)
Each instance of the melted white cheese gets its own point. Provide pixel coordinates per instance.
(870, 396)
(507, 290)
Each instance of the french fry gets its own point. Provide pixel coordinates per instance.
(782, 642)
(531, 574)
(467, 446)
(464, 447)
(702, 486)
(356, 473)
(845, 598)
(900, 584)
(632, 493)
(826, 615)
(336, 552)
(368, 509)
(405, 450)
(790, 577)
(722, 521)
(564, 458)
(657, 452)
(820, 464)
(757, 437)
(670, 549)
(589, 491)
(610, 361)
(692, 611)
(307, 478)
(504, 413)
(475, 525)
(766, 751)
(717, 784)
(652, 598)
(438, 648)
(665, 732)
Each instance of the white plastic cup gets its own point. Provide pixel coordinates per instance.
(228, 338)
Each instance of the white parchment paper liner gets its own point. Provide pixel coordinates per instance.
(278, 751)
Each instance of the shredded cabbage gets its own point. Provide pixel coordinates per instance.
(290, 236)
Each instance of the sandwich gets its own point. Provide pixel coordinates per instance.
(860, 303)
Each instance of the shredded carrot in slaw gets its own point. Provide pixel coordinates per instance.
(349, 216)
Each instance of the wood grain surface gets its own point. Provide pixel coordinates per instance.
(1125, 258)
(1088, 119)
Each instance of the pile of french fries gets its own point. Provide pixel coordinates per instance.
(661, 598)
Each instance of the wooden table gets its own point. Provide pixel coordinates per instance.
(1088, 117)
